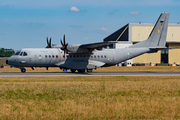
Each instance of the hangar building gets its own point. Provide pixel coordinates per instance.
(135, 32)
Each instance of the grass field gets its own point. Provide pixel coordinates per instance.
(90, 98)
(105, 69)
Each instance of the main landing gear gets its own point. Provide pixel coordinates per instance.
(81, 70)
(23, 70)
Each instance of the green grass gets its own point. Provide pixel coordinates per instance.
(90, 98)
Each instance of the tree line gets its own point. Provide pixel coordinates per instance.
(6, 52)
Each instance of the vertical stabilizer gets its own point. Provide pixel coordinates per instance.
(157, 37)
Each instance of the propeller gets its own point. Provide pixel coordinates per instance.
(48, 43)
(64, 45)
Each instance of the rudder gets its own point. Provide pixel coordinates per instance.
(159, 32)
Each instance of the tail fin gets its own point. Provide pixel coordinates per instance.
(157, 38)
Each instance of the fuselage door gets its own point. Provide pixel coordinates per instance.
(110, 57)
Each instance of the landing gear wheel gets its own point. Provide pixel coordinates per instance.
(73, 71)
(81, 71)
(23, 70)
(89, 70)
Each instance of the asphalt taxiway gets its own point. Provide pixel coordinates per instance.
(46, 74)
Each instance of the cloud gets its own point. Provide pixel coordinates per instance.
(113, 12)
(76, 26)
(74, 9)
(103, 29)
(135, 13)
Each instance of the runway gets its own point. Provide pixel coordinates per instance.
(48, 74)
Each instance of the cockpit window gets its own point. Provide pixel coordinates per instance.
(21, 54)
(25, 54)
(17, 53)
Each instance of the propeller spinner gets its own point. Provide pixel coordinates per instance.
(64, 45)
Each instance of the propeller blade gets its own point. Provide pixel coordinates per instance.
(64, 45)
(64, 40)
(61, 42)
(50, 43)
(47, 41)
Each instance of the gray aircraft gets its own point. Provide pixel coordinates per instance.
(89, 56)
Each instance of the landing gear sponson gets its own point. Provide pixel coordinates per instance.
(23, 70)
(81, 70)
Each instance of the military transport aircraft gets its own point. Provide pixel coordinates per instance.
(86, 57)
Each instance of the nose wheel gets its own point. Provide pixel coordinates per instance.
(23, 70)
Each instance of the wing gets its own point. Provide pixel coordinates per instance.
(85, 48)
(80, 64)
(98, 46)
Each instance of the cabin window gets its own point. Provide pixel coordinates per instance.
(91, 56)
(70, 56)
(74, 56)
(98, 56)
(94, 56)
(87, 55)
(66, 56)
(56, 56)
(104, 56)
(101, 56)
(77, 55)
(63, 56)
(52, 56)
(45, 56)
(49, 56)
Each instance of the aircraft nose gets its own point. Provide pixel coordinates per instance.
(6, 61)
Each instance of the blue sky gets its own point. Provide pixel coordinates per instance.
(27, 23)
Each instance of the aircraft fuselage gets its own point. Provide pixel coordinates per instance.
(54, 57)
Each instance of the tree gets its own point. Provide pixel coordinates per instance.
(6, 52)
